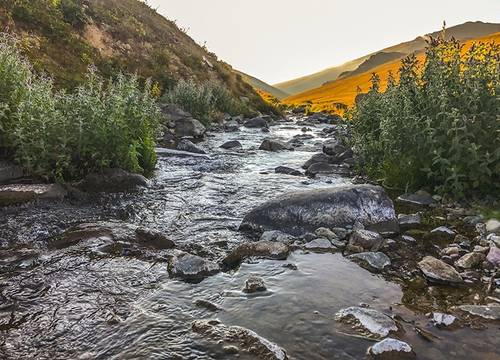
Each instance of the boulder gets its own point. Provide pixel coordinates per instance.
(494, 256)
(261, 249)
(418, 199)
(247, 341)
(320, 244)
(257, 122)
(391, 349)
(254, 284)
(367, 240)
(231, 126)
(376, 324)
(287, 171)
(106, 232)
(407, 222)
(485, 311)
(173, 112)
(277, 236)
(321, 169)
(470, 260)
(233, 144)
(376, 261)
(333, 147)
(189, 127)
(336, 207)
(274, 145)
(441, 233)
(9, 171)
(22, 193)
(437, 271)
(186, 145)
(164, 152)
(319, 158)
(192, 267)
(112, 180)
(493, 226)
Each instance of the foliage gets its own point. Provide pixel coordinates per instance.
(64, 136)
(438, 126)
(206, 101)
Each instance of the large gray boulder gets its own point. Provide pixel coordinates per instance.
(192, 267)
(186, 145)
(274, 145)
(113, 181)
(183, 122)
(258, 122)
(303, 212)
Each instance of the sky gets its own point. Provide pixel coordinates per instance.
(279, 40)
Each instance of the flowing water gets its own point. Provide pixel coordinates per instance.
(75, 303)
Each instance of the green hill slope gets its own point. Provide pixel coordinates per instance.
(261, 85)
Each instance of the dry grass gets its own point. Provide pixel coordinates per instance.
(344, 91)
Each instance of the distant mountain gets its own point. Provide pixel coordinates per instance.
(344, 90)
(372, 62)
(261, 85)
(468, 30)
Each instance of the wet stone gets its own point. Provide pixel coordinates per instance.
(274, 145)
(367, 240)
(261, 249)
(373, 260)
(407, 222)
(375, 323)
(493, 226)
(443, 320)
(188, 146)
(113, 181)
(23, 193)
(470, 260)
(391, 349)
(438, 271)
(277, 236)
(419, 199)
(486, 312)
(320, 244)
(254, 284)
(247, 340)
(234, 144)
(192, 267)
(441, 233)
(287, 171)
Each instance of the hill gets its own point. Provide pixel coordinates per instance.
(468, 30)
(64, 37)
(344, 91)
(262, 86)
(372, 62)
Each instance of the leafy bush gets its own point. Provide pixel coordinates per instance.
(204, 101)
(64, 136)
(438, 126)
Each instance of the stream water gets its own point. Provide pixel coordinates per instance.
(73, 303)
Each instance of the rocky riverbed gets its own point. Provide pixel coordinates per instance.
(252, 241)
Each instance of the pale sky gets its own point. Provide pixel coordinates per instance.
(278, 40)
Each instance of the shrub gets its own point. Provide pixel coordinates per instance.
(204, 101)
(438, 126)
(65, 136)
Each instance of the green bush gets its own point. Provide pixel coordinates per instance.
(205, 101)
(438, 126)
(65, 136)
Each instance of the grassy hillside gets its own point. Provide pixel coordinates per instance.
(372, 62)
(262, 86)
(63, 37)
(464, 31)
(344, 91)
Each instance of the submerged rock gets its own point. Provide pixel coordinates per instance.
(320, 244)
(192, 267)
(274, 145)
(22, 193)
(287, 171)
(247, 340)
(366, 240)
(263, 249)
(391, 349)
(303, 212)
(377, 324)
(186, 145)
(484, 311)
(112, 180)
(375, 260)
(233, 144)
(254, 284)
(438, 271)
(277, 236)
(106, 232)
